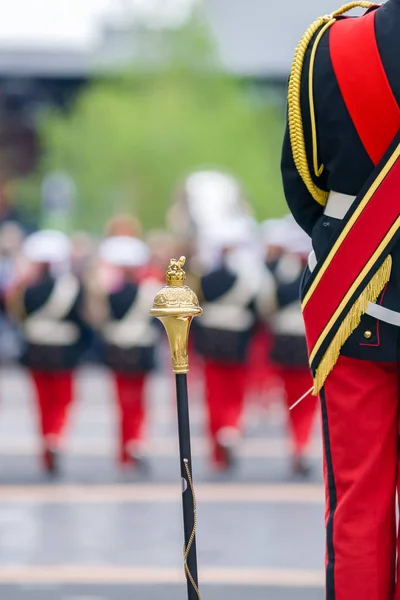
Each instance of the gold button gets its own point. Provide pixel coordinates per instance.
(368, 334)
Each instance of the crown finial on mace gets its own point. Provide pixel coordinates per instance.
(175, 305)
(175, 274)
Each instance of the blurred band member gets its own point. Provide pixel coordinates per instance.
(264, 381)
(229, 293)
(162, 246)
(49, 306)
(129, 337)
(81, 253)
(123, 225)
(289, 351)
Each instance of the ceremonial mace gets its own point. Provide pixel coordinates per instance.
(175, 306)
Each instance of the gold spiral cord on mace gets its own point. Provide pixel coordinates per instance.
(186, 549)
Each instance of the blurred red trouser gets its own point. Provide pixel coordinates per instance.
(262, 376)
(54, 397)
(301, 419)
(360, 408)
(130, 396)
(225, 393)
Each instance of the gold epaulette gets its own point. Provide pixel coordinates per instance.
(296, 128)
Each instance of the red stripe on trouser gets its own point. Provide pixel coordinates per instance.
(360, 407)
(225, 393)
(301, 419)
(54, 397)
(131, 405)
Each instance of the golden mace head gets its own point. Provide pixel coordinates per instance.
(176, 305)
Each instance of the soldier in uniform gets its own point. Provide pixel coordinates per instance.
(48, 303)
(129, 336)
(123, 224)
(288, 351)
(341, 174)
(229, 293)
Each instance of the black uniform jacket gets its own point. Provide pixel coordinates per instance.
(224, 331)
(347, 167)
(288, 348)
(119, 355)
(53, 342)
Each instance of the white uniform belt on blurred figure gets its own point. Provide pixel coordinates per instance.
(336, 207)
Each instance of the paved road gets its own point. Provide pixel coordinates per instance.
(150, 592)
(99, 534)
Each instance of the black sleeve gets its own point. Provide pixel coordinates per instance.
(77, 316)
(304, 208)
(287, 293)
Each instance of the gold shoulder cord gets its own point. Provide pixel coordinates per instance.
(296, 128)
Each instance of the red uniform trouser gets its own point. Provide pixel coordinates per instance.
(301, 419)
(225, 393)
(262, 374)
(130, 396)
(360, 413)
(54, 397)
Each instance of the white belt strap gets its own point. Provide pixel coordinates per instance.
(312, 261)
(47, 332)
(136, 327)
(61, 300)
(383, 314)
(338, 204)
(228, 318)
(374, 310)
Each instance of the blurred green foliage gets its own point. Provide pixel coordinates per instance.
(130, 138)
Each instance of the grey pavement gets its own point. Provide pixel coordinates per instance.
(100, 534)
(155, 593)
(94, 470)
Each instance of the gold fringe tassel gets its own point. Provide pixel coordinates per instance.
(351, 322)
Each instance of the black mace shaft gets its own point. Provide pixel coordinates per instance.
(176, 305)
(188, 498)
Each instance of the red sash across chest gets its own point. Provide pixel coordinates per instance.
(364, 84)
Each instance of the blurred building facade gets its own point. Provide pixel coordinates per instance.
(255, 41)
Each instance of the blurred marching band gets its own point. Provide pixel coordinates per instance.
(70, 299)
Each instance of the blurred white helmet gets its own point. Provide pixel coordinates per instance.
(212, 191)
(47, 246)
(124, 251)
(272, 232)
(286, 234)
(297, 241)
(233, 234)
(211, 197)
